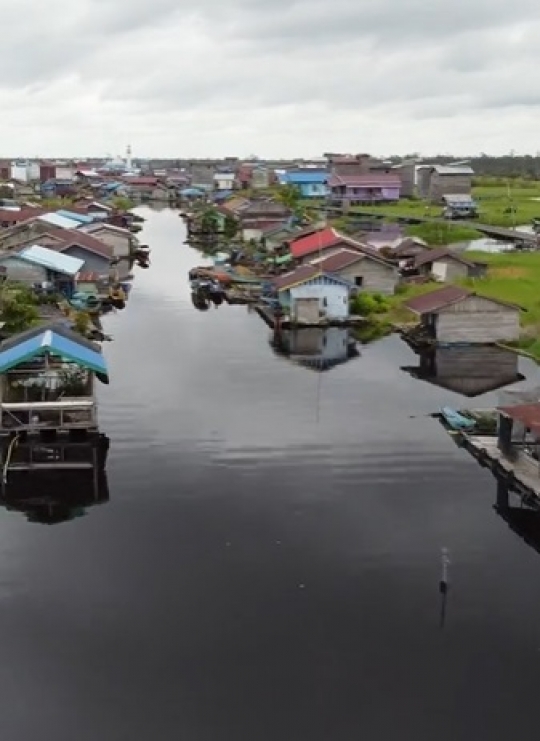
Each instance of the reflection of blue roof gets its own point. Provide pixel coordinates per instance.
(62, 343)
(82, 218)
(301, 178)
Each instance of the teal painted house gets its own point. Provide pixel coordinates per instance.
(311, 183)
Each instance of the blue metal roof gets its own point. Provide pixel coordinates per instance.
(55, 219)
(301, 178)
(75, 216)
(52, 260)
(50, 342)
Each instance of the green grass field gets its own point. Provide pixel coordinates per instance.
(521, 200)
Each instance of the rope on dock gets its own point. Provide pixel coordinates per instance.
(11, 448)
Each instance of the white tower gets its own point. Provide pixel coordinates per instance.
(129, 164)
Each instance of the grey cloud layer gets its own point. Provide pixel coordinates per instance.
(413, 58)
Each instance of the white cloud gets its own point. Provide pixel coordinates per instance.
(280, 78)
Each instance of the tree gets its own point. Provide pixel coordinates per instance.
(81, 322)
(230, 227)
(209, 222)
(19, 311)
(289, 195)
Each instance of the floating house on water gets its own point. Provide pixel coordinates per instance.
(47, 401)
(36, 265)
(311, 296)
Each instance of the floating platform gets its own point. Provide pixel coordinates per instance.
(268, 316)
(517, 474)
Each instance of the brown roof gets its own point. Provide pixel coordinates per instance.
(527, 414)
(430, 303)
(428, 256)
(15, 217)
(140, 181)
(338, 261)
(69, 237)
(300, 275)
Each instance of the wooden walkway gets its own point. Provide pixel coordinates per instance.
(485, 448)
(497, 232)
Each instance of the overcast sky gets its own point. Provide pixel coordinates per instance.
(269, 77)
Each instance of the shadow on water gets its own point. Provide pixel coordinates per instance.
(53, 498)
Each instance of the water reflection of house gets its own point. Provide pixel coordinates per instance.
(53, 498)
(470, 371)
(318, 349)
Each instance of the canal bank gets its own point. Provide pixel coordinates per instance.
(268, 562)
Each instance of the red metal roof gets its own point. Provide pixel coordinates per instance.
(527, 414)
(434, 301)
(367, 180)
(312, 242)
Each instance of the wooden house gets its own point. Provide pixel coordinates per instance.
(311, 183)
(518, 439)
(121, 241)
(264, 208)
(48, 410)
(311, 296)
(446, 266)
(42, 267)
(365, 268)
(454, 315)
(352, 190)
(437, 181)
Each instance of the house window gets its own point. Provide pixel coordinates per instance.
(359, 280)
(325, 301)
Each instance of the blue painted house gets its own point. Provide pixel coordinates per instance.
(311, 296)
(311, 183)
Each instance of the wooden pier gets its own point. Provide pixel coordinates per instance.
(496, 232)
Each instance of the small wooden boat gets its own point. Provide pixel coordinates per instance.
(455, 420)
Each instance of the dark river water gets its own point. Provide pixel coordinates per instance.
(268, 564)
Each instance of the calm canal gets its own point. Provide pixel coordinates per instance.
(268, 564)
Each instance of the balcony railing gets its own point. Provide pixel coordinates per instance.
(76, 413)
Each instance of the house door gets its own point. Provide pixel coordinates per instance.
(307, 310)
